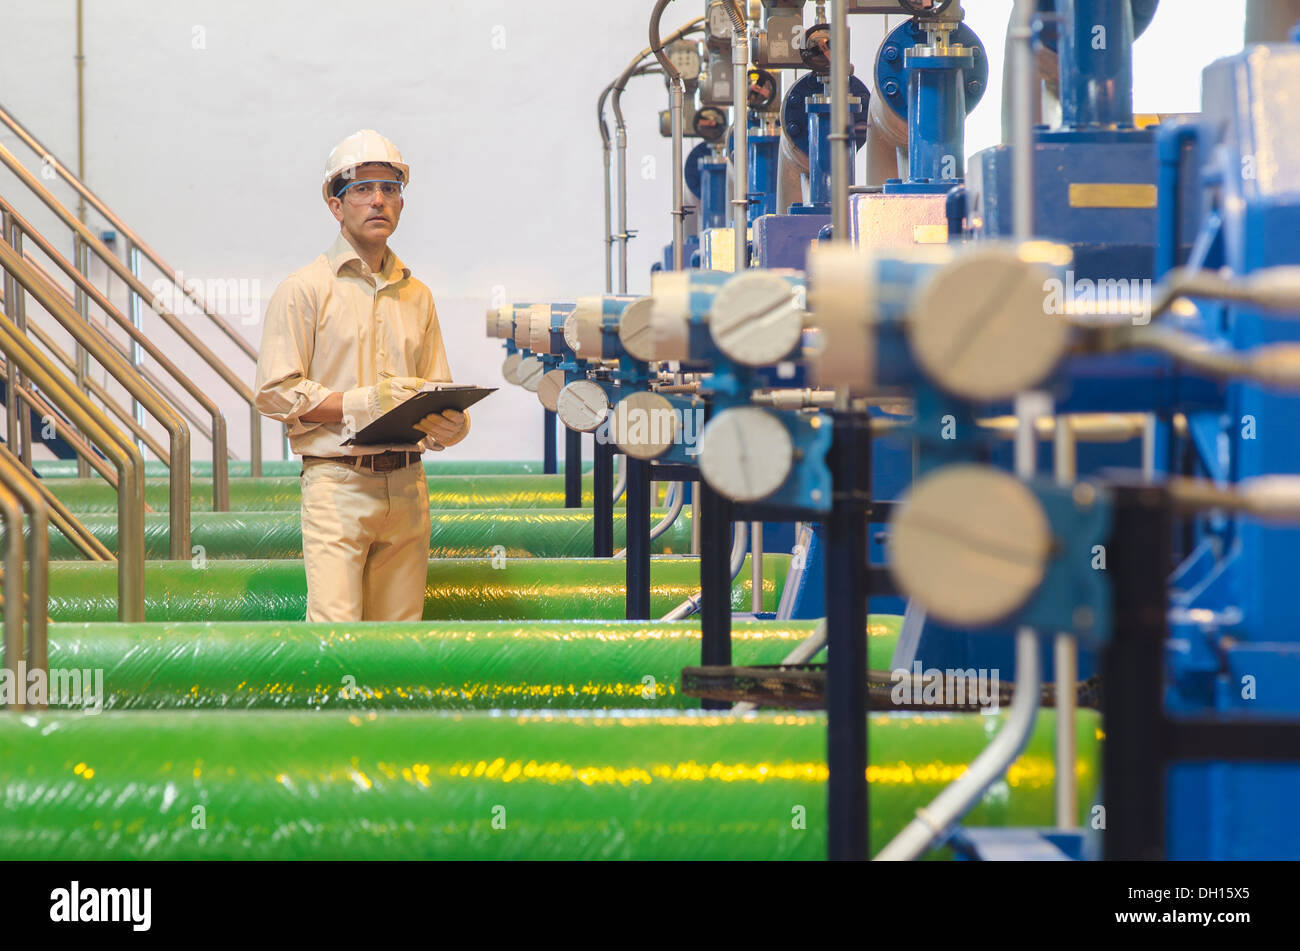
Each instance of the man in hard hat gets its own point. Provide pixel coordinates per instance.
(347, 338)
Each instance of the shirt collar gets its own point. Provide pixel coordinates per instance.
(341, 252)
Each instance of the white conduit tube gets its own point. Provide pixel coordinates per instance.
(934, 823)
(674, 499)
(805, 652)
(739, 542)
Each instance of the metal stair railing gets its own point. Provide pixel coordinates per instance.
(87, 243)
(19, 225)
(17, 492)
(113, 443)
(60, 516)
(125, 374)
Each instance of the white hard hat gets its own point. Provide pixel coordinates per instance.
(362, 148)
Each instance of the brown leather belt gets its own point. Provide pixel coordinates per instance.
(376, 462)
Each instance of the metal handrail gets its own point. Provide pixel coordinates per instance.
(17, 480)
(125, 456)
(68, 433)
(92, 243)
(191, 417)
(153, 256)
(60, 515)
(177, 431)
(220, 467)
(95, 389)
(12, 517)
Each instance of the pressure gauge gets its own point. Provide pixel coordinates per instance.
(757, 318)
(685, 57)
(762, 90)
(510, 369)
(582, 405)
(709, 123)
(746, 453)
(548, 390)
(634, 329)
(970, 544)
(644, 425)
(719, 23)
(816, 49)
(979, 328)
(530, 373)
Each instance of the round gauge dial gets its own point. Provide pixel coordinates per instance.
(582, 405)
(746, 453)
(757, 318)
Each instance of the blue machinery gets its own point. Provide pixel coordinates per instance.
(958, 372)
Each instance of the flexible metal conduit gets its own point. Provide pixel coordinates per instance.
(89, 241)
(220, 450)
(674, 498)
(123, 453)
(605, 150)
(739, 542)
(121, 371)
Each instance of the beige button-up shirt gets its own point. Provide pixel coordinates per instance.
(335, 325)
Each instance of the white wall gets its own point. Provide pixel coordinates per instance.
(208, 123)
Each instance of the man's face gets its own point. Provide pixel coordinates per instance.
(372, 217)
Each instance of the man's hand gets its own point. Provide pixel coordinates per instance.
(446, 428)
(365, 404)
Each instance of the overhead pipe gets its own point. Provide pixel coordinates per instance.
(605, 150)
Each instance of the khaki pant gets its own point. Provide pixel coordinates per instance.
(365, 541)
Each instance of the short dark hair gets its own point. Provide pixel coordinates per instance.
(343, 178)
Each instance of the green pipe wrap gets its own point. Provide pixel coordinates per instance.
(462, 533)
(456, 589)
(479, 785)
(541, 665)
(284, 493)
(426, 666)
(238, 468)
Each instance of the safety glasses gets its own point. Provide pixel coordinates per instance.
(362, 191)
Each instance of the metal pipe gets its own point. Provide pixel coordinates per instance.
(22, 484)
(12, 517)
(739, 542)
(620, 141)
(81, 110)
(756, 566)
(137, 321)
(85, 451)
(803, 533)
(12, 294)
(695, 518)
(605, 150)
(217, 434)
(676, 95)
(235, 382)
(100, 430)
(177, 430)
(1066, 655)
(840, 142)
(802, 654)
(740, 133)
(1021, 36)
(122, 228)
(673, 499)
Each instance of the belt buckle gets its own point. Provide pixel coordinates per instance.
(384, 462)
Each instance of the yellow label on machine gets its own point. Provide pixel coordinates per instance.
(1111, 195)
(930, 234)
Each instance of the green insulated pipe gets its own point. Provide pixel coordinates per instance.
(284, 493)
(457, 533)
(456, 589)
(561, 665)
(480, 785)
(67, 468)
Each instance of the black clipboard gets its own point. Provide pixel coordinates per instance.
(397, 426)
